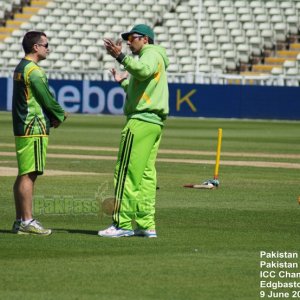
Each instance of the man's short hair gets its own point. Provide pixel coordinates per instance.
(150, 41)
(31, 38)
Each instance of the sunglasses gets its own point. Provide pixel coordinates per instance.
(46, 45)
(132, 37)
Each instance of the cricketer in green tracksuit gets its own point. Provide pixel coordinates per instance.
(146, 108)
(34, 111)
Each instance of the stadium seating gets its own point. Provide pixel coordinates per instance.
(224, 36)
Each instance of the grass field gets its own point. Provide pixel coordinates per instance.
(209, 240)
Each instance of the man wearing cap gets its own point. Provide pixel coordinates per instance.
(146, 108)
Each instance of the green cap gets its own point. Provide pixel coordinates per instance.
(141, 29)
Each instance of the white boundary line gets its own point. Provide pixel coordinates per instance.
(261, 164)
(170, 151)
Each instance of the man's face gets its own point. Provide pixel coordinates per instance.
(42, 48)
(136, 42)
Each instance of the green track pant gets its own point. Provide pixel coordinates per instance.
(135, 175)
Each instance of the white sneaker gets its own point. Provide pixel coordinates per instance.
(149, 233)
(114, 232)
(34, 227)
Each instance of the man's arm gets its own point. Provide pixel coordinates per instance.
(45, 98)
(141, 69)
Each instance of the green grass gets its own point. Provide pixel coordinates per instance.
(209, 240)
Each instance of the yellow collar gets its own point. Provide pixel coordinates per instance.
(28, 58)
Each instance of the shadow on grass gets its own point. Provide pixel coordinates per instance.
(62, 230)
(6, 231)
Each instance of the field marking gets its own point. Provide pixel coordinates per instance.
(261, 164)
(171, 151)
(10, 171)
(68, 156)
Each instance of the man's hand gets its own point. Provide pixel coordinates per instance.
(66, 114)
(55, 123)
(118, 76)
(114, 49)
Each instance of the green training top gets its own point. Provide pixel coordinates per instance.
(33, 103)
(147, 93)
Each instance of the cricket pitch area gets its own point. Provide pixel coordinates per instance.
(209, 241)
